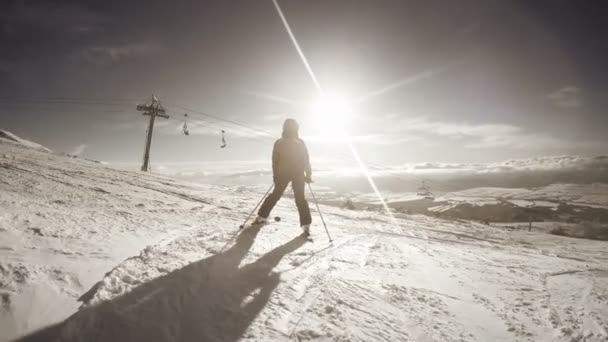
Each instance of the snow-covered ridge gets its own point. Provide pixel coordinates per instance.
(586, 195)
(8, 136)
(325, 167)
(156, 259)
(347, 178)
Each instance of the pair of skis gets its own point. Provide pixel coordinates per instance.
(277, 218)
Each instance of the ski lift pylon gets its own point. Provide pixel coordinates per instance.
(425, 191)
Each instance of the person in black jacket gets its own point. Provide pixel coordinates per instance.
(290, 164)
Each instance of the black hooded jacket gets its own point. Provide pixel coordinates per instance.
(290, 156)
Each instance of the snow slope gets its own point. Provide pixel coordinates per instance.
(8, 136)
(153, 259)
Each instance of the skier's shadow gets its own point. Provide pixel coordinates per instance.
(209, 300)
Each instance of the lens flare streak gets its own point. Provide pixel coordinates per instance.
(320, 89)
(406, 81)
(297, 46)
(367, 175)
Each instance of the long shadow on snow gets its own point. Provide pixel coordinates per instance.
(208, 300)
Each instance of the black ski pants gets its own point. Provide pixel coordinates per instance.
(298, 184)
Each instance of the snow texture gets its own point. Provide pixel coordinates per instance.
(154, 259)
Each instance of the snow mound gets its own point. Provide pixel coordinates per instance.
(6, 135)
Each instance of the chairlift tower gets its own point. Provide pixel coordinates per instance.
(425, 191)
(152, 108)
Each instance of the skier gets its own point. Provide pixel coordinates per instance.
(290, 163)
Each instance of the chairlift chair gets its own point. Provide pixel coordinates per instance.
(185, 125)
(224, 144)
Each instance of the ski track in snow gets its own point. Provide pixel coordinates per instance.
(151, 258)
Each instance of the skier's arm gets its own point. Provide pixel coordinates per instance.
(307, 169)
(275, 161)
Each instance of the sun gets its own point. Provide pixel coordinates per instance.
(331, 117)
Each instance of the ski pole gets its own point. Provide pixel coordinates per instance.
(319, 211)
(256, 207)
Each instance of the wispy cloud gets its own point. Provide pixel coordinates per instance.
(544, 163)
(403, 82)
(109, 54)
(457, 130)
(374, 139)
(274, 117)
(481, 136)
(273, 98)
(523, 140)
(566, 97)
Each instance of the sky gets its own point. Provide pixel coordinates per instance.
(407, 81)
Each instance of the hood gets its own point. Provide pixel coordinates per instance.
(290, 129)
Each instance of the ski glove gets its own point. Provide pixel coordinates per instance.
(308, 179)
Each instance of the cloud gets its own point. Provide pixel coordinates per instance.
(471, 136)
(458, 130)
(273, 98)
(544, 163)
(110, 54)
(341, 176)
(274, 117)
(481, 136)
(566, 97)
(421, 76)
(78, 151)
(551, 163)
(375, 139)
(440, 166)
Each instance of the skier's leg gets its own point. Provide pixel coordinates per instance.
(273, 198)
(298, 185)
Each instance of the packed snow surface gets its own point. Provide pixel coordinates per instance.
(154, 259)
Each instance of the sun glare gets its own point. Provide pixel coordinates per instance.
(331, 117)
